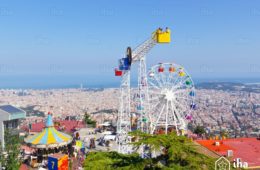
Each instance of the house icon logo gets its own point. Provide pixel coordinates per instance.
(222, 164)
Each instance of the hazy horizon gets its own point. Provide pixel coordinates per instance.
(74, 81)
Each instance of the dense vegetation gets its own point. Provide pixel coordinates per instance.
(175, 152)
(113, 160)
(89, 121)
(10, 157)
(199, 130)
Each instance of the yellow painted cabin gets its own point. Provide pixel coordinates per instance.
(163, 37)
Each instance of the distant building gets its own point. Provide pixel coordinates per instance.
(10, 117)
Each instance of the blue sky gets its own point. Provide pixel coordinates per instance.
(209, 38)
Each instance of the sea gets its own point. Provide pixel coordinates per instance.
(87, 81)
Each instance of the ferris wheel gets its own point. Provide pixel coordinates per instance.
(171, 98)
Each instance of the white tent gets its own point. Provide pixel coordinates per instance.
(107, 133)
(105, 124)
(110, 137)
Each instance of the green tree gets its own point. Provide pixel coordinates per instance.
(199, 130)
(89, 121)
(113, 160)
(175, 152)
(9, 158)
(178, 151)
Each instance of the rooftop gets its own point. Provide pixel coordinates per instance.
(13, 112)
(67, 126)
(248, 149)
(10, 109)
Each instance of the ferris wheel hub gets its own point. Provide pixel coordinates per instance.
(168, 95)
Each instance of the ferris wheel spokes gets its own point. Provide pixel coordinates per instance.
(175, 119)
(155, 86)
(158, 81)
(179, 82)
(157, 120)
(180, 118)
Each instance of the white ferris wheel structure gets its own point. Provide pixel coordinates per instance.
(171, 98)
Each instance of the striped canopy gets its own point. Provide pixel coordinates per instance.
(49, 137)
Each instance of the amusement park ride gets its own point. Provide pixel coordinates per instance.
(165, 97)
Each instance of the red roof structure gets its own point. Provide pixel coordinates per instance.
(68, 125)
(247, 149)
